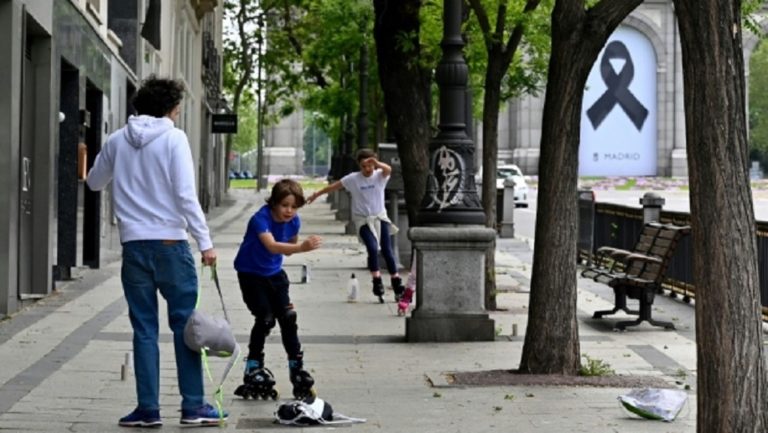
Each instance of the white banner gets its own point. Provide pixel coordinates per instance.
(618, 119)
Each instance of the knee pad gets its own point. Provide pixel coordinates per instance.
(266, 323)
(289, 318)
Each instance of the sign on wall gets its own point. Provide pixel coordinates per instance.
(224, 123)
(618, 120)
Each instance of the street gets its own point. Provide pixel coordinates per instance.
(676, 200)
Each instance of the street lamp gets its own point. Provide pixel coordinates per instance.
(451, 240)
(451, 196)
(261, 180)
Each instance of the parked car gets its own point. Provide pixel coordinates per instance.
(505, 171)
(521, 187)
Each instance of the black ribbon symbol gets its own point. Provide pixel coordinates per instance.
(618, 88)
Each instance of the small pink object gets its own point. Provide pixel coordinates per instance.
(405, 301)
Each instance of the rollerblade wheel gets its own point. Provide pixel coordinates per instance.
(241, 392)
(302, 394)
(269, 394)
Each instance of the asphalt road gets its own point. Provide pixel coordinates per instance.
(676, 200)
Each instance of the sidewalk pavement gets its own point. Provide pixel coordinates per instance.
(62, 358)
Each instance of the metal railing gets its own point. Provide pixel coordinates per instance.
(620, 226)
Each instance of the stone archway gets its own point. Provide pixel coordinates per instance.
(624, 97)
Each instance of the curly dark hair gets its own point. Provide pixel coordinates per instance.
(282, 189)
(158, 96)
(364, 154)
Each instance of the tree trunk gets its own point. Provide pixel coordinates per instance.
(552, 338)
(552, 306)
(406, 92)
(731, 375)
(500, 55)
(491, 101)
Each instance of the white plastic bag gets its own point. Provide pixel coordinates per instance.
(654, 403)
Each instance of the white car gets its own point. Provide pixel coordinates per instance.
(505, 171)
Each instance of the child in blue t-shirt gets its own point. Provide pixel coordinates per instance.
(272, 233)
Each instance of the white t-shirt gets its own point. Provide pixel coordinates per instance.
(367, 192)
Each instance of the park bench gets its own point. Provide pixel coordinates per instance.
(642, 276)
(610, 260)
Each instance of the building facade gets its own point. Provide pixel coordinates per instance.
(70, 70)
(633, 119)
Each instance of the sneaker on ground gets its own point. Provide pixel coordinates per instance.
(142, 418)
(205, 414)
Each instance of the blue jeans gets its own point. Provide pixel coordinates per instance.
(167, 266)
(369, 239)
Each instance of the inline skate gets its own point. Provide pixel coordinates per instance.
(258, 382)
(405, 301)
(378, 289)
(303, 382)
(397, 286)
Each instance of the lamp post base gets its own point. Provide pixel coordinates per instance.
(449, 328)
(450, 302)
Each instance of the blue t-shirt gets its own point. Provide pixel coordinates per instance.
(253, 257)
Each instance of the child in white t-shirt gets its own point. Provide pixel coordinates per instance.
(373, 226)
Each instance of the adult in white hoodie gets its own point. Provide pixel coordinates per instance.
(150, 165)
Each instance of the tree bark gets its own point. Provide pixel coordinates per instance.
(406, 88)
(731, 373)
(491, 103)
(500, 54)
(552, 338)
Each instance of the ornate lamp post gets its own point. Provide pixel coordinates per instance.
(451, 196)
(451, 240)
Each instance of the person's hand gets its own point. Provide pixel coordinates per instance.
(313, 242)
(312, 197)
(209, 257)
(371, 160)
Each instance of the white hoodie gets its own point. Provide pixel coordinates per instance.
(154, 183)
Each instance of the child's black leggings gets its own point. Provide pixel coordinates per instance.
(267, 299)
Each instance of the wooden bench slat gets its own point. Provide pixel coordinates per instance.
(643, 272)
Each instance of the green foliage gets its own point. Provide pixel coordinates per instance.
(595, 367)
(241, 36)
(247, 128)
(308, 185)
(750, 16)
(242, 183)
(528, 67)
(316, 142)
(758, 105)
(313, 58)
(312, 53)
(629, 184)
